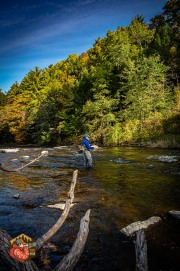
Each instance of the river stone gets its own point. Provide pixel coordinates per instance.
(176, 214)
(16, 196)
(136, 226)
(9, 150)
(5, 211)
(32, 202)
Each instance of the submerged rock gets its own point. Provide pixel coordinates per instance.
(32, 202)
(25, 156)
(167, 159)
(176, 214)
(120, 161)
(17, 196)
(150, 166)
(163, 158)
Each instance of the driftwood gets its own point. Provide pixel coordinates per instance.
(17, 169)
(141, 251)
(73, 256)
(132, 228)
(58, 224)
(70, 259)
(176, 214)
(66, 264)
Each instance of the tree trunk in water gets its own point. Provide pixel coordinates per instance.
(70, 260)
(141, 251)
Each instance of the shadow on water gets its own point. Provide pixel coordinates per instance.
(126, 184)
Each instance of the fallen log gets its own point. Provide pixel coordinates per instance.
(141, 251)
(176, 214)
(136, 226)
(36, 159)
(63, 216)
(17, 169)
(70, 260)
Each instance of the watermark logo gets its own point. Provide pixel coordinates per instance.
(22, 248)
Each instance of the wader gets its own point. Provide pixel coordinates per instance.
(87, 157)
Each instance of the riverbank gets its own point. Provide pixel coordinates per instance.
(166, 142)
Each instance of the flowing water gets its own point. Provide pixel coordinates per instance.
(126, 184)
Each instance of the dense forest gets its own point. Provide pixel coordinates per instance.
(125, 89)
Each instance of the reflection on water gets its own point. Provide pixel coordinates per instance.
(127, 184)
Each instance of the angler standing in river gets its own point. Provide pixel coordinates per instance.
(86, 148)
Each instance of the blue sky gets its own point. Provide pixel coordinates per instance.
(43, 32)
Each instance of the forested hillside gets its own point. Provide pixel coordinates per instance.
(125, 89)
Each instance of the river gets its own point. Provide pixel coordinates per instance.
(126, 184)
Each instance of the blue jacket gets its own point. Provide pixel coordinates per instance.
(86, 143)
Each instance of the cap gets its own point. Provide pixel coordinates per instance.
(86, 135)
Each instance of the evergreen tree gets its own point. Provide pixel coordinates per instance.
(118, 90)
(146, 92)
(13, 92)
(2, 98)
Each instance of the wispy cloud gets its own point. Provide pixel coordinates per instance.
(27, 14)
(86, 2)
(46, 31)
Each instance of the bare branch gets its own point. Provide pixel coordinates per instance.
(70, 260)
(17, 169)
(63, 216)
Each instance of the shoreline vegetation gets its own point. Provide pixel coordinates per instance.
(124, 90)
(161, 143)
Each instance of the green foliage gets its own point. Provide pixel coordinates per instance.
(145, 87)
(139, 34)
(167, 38)
(12, 93)
(123, 89)
(2, 98)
